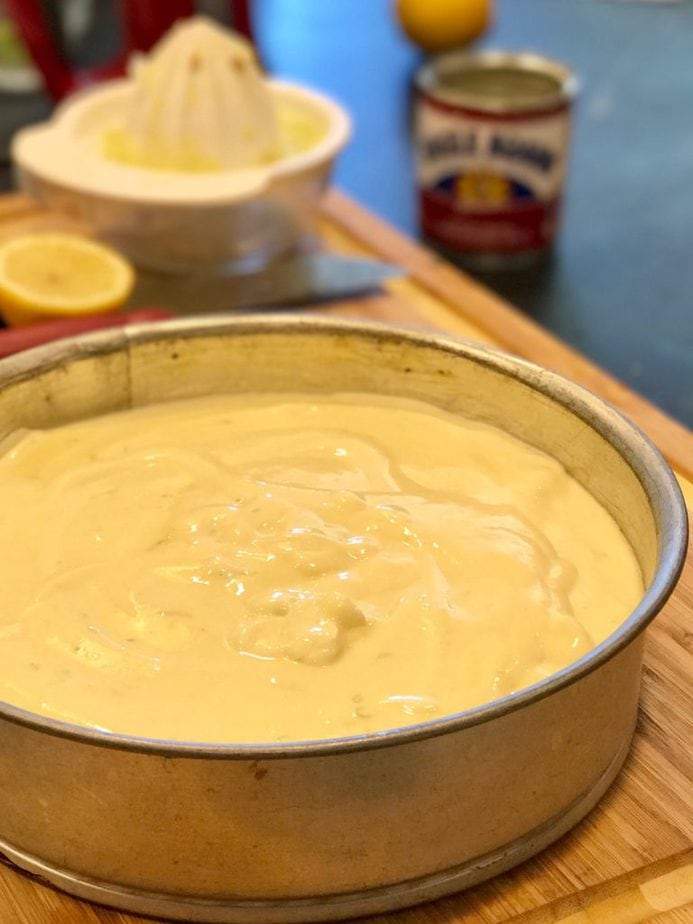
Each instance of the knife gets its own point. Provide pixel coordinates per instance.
(306, 280)
(17, 339)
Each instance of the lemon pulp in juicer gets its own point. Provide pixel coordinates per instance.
(200, 103)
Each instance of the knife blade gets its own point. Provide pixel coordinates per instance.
(306, 280)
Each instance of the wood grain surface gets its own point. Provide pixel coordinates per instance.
(494, 320)
(631, 859)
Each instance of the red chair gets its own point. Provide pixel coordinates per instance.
(145, 21)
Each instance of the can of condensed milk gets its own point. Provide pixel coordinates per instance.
(492, 132)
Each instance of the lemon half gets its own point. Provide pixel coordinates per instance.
(60, 275)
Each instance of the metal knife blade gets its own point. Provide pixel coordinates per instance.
(306, 280)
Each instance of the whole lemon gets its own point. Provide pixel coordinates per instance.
(439, 25)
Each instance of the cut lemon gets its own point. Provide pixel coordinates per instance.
(60, 275)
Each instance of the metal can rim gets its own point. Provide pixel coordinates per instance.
(427, 80)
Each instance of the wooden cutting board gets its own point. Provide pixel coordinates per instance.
(631, 859)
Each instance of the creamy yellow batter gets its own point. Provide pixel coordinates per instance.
(272, 568)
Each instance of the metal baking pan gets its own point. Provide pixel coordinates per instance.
(331, 829)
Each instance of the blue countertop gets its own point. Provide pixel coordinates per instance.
(620, 286)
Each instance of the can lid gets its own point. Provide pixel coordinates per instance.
(498, 81)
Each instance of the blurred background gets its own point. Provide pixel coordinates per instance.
(619, 286)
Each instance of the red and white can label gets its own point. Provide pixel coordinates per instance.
(490, 183)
